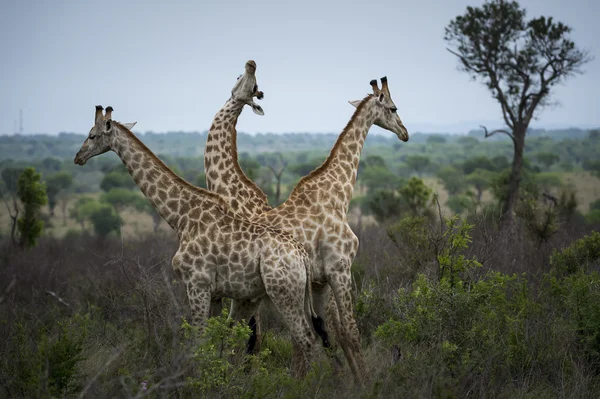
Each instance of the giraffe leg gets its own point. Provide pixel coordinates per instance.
(340, 281)
(324, 304)
(245, 310)
(289, 301)
(199, 298)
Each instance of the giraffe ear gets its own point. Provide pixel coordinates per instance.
(129, 125)
(354, 103)
(257, 109)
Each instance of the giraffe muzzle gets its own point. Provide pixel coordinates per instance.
(79, 159)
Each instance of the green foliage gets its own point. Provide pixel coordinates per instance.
(500, 184)
(436, 139)
(103, 217)
(32, 194)
(379, 178)
(498, 31)
(10, 178)
(43, 363)
(452, 178)
(547, 159)
(117, 179)
(55, 184)
(593, 166)
(418, 163)
(121, 198)
(593, 215)
(383, 205)
(410, 235)
(81, 211)
(548, 180)
(577, 298)
(461, 203)
(480, 179)
(470, 332)
(303, 169)
(416, 196)
(481, 162)
(582, 254)
(451, 262)
(223, 369)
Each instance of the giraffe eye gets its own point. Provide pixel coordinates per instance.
(92, 137)
(394, 109)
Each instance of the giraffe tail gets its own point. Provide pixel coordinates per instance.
(317, 322)
(308, 299)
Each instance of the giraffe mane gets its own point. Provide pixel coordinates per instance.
(213, 196)
(321, 169)
(236, 165)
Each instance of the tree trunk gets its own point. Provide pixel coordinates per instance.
(278, 189)
(13, 219)
(508, 208)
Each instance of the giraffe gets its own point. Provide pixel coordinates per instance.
(223, 173)
(316, 215)
(225, 176)
(219, 254)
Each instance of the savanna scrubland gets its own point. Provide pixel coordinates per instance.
(447, 303)
(477, 273)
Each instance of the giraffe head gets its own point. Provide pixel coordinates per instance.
(246, 89)
(98, 140)
(386, 115)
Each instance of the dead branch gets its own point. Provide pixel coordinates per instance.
(489, 134)
(9, 288)
(59, 299)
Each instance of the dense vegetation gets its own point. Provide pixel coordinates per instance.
(453, 297)
(446, 306)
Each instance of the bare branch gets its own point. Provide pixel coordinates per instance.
(489, 134)
(59, 299)
(9, 288)
(466, 63)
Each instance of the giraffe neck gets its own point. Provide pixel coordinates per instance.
(171, 196)
(341, 166)
(223, 172)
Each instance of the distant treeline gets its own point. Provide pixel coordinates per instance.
(191, 144)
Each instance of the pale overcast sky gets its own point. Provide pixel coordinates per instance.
(170, 65)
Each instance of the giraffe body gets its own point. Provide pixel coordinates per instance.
(219, 254)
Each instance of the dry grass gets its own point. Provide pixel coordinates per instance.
(587, 188)
(135, 223)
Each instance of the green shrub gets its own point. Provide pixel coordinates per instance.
(44, 363)
(462, 332)
(577, 297)
(581, 254)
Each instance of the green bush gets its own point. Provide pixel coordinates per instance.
(580, 255)
(467, 333)
(577, 297)
(44, 363)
